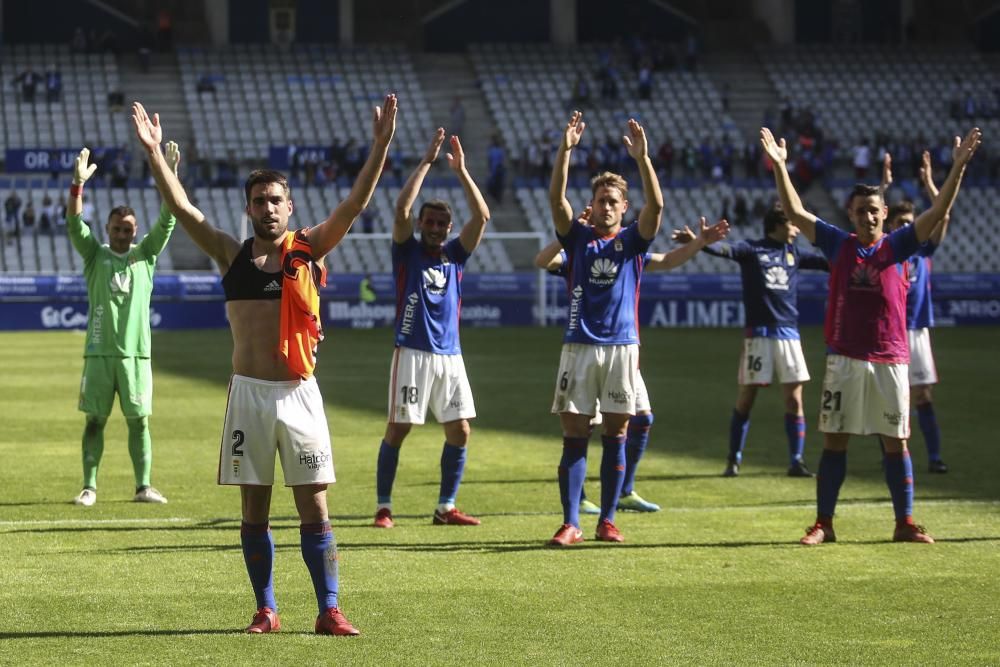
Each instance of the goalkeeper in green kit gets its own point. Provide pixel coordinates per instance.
(116, 353)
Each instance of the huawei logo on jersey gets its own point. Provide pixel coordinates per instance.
(776, 278)
(863, 277)
(434, 280)
(603, 272)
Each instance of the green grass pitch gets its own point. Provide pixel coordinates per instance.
(715, 578)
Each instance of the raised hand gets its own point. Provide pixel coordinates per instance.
(584, 216)
(966, 148)
(775, 150)
(456, 158)
(574, 130)
(173, 156)
(886, 172)
(432, 151)
(683, 235)
(81, 170)
(926, 173)
(147, 129)
(716, 232)
(635, 140)
(384, 120)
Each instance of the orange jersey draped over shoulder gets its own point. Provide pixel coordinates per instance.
(300, 327)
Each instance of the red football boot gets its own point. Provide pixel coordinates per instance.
(383, 518)
(911, 532)
(566, 536)
(454, 518)
(265, 620)
(608, 532)
(332, 622)
(818, 533)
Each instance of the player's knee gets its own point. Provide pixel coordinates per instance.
(922, 394)
(396, 433)
(457, 432)
(643, 420)
(95, 424)
(137, 424)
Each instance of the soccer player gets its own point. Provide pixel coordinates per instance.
(116, 351)
(769, 268)
(552, 258)
(865, 390)
(427, 366)
(271, 285)
(920, 313)
(600, 354)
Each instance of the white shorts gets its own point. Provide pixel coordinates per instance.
(922, 368)
(263, 417)
(642, 403)
(419, 379)
(594, 378)
(865, 398)
(762, 358)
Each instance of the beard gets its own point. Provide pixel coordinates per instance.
(262, 230)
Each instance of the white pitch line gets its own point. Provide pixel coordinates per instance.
(860, 503)
(87, 522)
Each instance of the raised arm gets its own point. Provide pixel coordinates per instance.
(652, 211)
(963, 152)
(402, 225)
(549, 258)
(927, 180)
(927, 175)
(790, 202)
(562, 212)
(215, 243)
(472, 232)
(886, 175)
(690, 247)
(326, 235)
(79, 233)
(156, 240)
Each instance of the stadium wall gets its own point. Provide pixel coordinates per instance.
(194, 301)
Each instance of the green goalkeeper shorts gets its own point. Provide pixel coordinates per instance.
(130, 377)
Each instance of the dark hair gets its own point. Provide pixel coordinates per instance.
(436, 204)
(863, 190)
(902, 208)
(121, 211)
(774, 218)
(265, 176)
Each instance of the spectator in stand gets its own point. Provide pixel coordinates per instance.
(47, 216)
(861, 159)
(581, 92)
(456, 116)
(496, 161)
(164, 30)
(28, 80)
(645, 80)
(665, 159)
(53, 84)
(28, 218)
(78, 44)
(205, 84)
(12, 210)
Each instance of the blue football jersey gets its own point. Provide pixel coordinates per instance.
(603, 281)
(770, 273)
(919, 309)
(428, 295)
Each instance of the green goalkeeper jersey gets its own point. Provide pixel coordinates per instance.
(119, 288)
